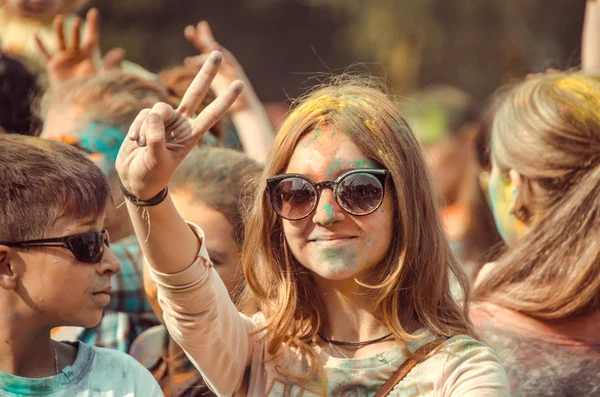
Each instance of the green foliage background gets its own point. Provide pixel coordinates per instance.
(474, 44)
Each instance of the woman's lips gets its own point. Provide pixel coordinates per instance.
(331, 242)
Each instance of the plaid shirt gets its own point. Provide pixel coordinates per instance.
(129, 312)
(169, 365)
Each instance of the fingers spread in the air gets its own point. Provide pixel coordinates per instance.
(40, 45)
(217, 109)
(59, 28)
(199, 87)
(134, 130)
(75, 33)
(90, 37)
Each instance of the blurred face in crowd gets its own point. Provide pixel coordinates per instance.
(38, 9)
(447, 159)
(220, 242)
(449, 153)
(219, 239)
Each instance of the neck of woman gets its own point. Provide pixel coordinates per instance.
(349, 313)
(348, 317)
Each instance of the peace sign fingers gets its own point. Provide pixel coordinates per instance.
(217, 109)
(200, 85)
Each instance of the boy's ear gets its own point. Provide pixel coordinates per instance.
(8, 277)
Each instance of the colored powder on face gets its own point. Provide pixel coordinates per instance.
(103, 143)
(336, 166)
(328, 211)
(502, 193)
(336, 259)
(316, 134)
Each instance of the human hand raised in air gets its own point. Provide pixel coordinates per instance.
(202, 38)
(160, 138)
(76, 59)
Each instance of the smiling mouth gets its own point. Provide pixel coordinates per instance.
(331, 242)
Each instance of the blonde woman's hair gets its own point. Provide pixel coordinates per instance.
(548, 130)
(412, 281)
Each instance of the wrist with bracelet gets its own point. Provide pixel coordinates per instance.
(159, 198)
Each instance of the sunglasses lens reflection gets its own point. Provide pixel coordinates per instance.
(88, 247)
(294, 198)
(360, 193)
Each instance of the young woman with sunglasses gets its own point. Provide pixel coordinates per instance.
(344, 255)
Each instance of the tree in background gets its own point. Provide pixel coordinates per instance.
(477, 45)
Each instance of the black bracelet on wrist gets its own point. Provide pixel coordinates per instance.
(159, 198)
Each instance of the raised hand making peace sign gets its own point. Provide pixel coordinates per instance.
(161, 137)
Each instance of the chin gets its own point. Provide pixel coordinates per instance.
(90, 319)
(342, 274)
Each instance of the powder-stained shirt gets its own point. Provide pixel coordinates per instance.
(96, 372)
(222, 343)
(560, 358)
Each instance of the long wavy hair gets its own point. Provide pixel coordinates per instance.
(413, 280)
(548, 130)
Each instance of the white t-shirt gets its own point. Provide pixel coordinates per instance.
(96, 372)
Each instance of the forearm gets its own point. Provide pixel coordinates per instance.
(203, 320)
(168, 243)
(254, 129)
(590, 46)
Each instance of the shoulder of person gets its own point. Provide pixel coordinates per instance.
(469, 364)
(463, 346)
(150, 346)
(461, 366)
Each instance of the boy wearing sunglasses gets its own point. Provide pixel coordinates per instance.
(55, 270)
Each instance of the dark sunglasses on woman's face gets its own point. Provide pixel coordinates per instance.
(86, 247)
(358, 192)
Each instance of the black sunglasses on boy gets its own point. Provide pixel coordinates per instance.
(86, 247)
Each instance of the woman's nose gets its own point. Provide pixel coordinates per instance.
(328, 210)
